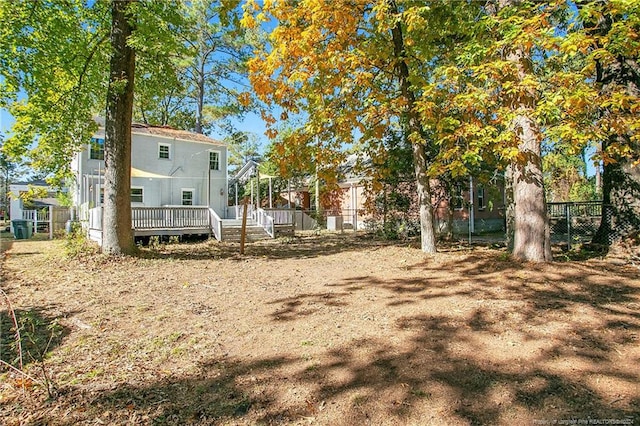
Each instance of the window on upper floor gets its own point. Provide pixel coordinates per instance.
(214, 160)
(96, 149)
(137, 195)
(163, 151)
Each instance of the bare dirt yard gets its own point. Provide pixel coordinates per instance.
(328, 330)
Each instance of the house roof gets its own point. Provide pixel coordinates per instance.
(165, 131)
(170, 132)
(38, 182)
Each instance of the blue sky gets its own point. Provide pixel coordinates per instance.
(251, 123)
(6, 121)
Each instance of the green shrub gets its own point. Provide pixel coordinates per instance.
(77, 245)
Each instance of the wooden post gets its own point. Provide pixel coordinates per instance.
(243, 231)
(258, 189)
(51, 222)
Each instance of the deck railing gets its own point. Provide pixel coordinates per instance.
(281, 216)
(95, 218)
(266, 221)
(170, 217)
(215, 224)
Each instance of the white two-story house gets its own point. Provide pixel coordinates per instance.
(169, 167)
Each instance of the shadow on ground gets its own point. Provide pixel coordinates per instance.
(538, 345)
(37, 335)
(297, 247)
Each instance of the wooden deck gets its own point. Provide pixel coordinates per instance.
(188, 220)
(148, 221)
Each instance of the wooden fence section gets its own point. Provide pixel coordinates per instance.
(48, 220)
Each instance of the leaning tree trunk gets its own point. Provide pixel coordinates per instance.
(117, 235)
(415, 134)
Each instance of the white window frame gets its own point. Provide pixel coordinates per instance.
(141, 194)
(164, 145)
(217, 162)
(182, 192)
(100, 143)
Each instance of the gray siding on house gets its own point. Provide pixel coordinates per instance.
(161, 179)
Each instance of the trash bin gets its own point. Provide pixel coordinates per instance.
(22, 229)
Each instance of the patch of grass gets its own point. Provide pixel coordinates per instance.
(313, 367)
(77, 245)
(96, 372)
(504, 257)
(419, 393)
(359, 400)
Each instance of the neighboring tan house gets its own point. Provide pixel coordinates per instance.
(169, 167)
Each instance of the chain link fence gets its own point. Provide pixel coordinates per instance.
(574, 222)
(570, 223)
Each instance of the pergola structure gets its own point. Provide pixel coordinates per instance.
(250, 170)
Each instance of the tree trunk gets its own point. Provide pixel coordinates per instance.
(509, 207)
(530, 239)
(620, 194)
(415, 134)
(200, 100)
(598, 180)
(117, 236)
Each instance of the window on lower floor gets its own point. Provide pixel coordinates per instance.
(458, 198)
(187, 197)
(481, 199)
(136, 195)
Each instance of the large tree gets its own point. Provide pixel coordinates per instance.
(355, 68)
(117, 237)
(201, 84)
(613, 28)
(53, 57)
(494, 100)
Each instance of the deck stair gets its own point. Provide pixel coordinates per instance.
(232, 229)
